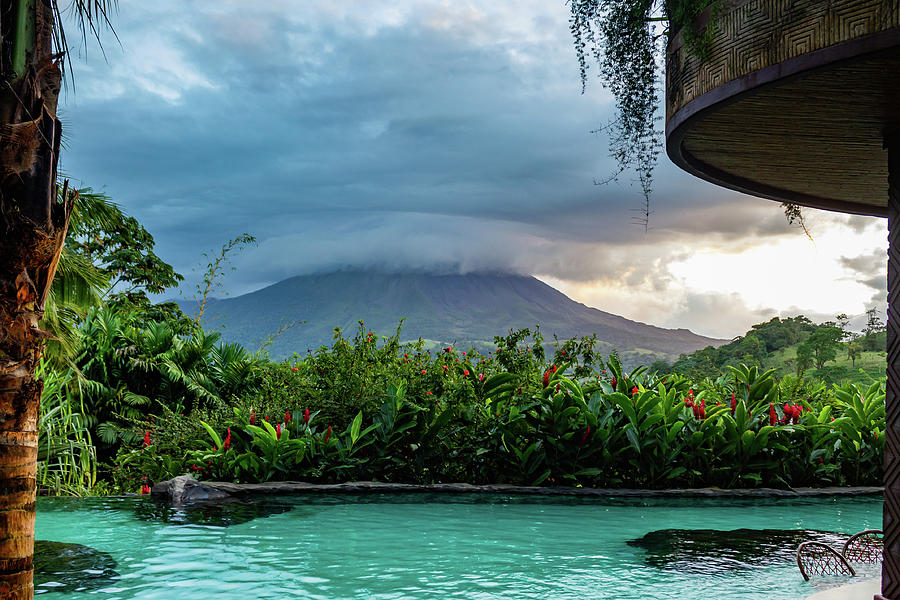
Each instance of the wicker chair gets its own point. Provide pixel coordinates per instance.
(816, 558)
(865, 547)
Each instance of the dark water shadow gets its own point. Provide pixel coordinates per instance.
(218, 514)
(707, 551)
(67, 568)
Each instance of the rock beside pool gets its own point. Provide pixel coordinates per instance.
(184, 489)
(67, 568)
(718, 551)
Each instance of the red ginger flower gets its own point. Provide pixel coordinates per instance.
(634, 390)
(702, 408)
(287, 416)
(733, 404)
(278, 431)
(145, 489)
(227, 443)
(252, 418)
(146, 438)
(547, 375)
(306, 416)
(613, 383)
(584, 437)
(328, 434)
(773, 417)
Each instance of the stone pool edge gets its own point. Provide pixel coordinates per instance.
(186, 489)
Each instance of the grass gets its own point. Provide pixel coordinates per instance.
(868, 366)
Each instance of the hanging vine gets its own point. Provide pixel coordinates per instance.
(627, 39)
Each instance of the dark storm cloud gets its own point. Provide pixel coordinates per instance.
(428, 137)
(870, 270)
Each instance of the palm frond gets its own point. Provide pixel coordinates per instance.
(90, 16)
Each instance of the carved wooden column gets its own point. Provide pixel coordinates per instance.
(891, 569)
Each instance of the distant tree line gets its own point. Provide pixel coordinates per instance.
(816, 345)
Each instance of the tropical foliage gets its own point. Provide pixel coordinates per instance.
(411, 416)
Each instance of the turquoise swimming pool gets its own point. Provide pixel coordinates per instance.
(423, 546)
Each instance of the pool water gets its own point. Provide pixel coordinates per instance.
(417, 547)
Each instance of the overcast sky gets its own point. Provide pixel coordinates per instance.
(431, 135)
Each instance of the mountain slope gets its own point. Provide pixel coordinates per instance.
(459, 309)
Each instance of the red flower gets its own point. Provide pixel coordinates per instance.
(266, 417)
(634, 390)
(306, 416)
(423, 371)
(278, 431)
(445, 368)
(773, 417)
(584, 437)
(702, 408)
(328, 434)
(733, 404)
(429, 393)
(294, 369)
(287, 416)
(613, 383)
(252, 418)
(227, 443)
(466, 373)
(146, 438)
(547, 374)
(145, 489)
(696, 410)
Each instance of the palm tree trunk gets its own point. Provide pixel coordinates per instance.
(33, 227)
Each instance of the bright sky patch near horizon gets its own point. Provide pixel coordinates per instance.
(427, 135)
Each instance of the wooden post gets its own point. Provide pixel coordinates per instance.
(890, 585)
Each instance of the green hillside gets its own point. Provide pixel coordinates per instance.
(796, 346)
(460, 310)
